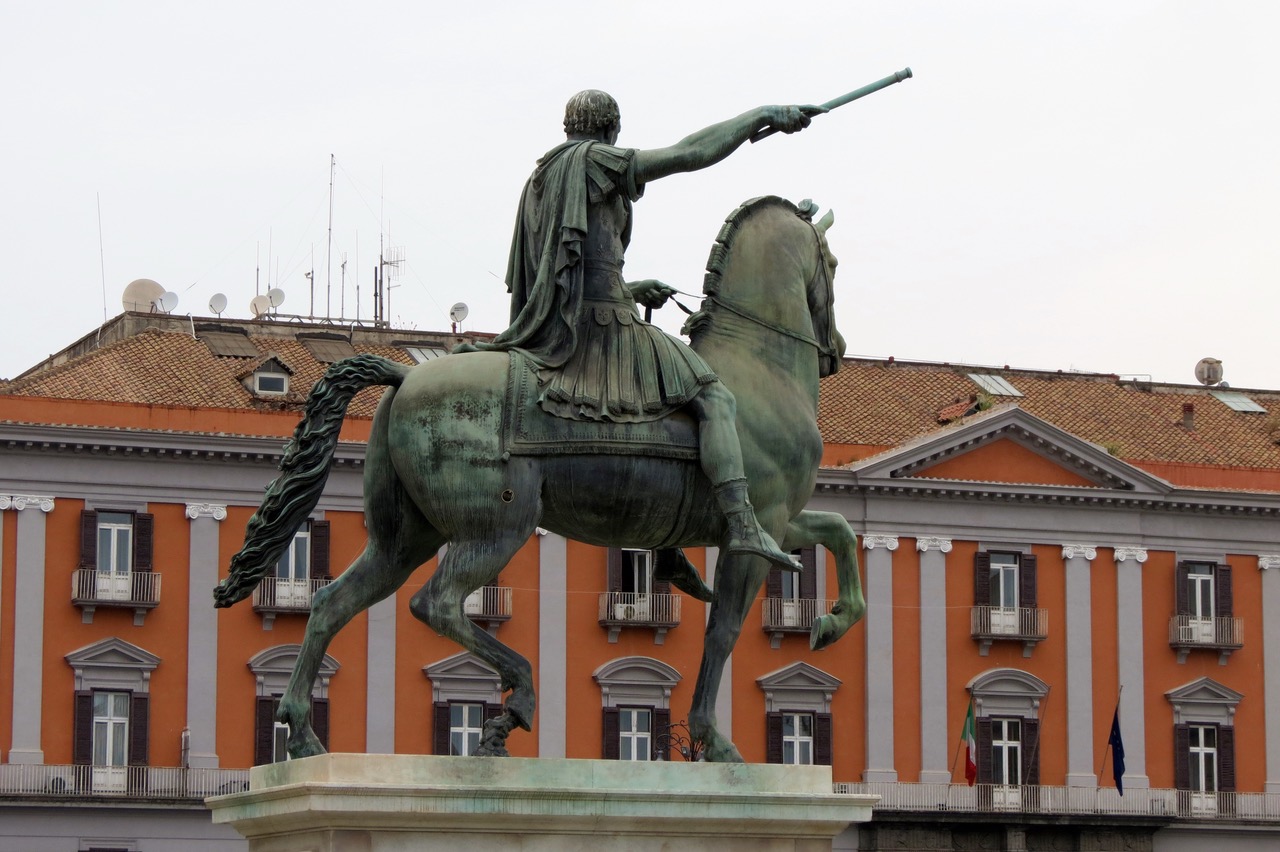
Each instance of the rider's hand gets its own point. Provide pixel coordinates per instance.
(650, 292)
(789, 119)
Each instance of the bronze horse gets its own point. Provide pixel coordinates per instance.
(435, 474)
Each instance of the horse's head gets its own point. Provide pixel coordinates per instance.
(821, 298)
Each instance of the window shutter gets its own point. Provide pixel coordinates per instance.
(440, 727)
(139, 729)
(1027, 581)
(659, 733)
(809, 573)
(657, 586)
(1222, 596)
(1030, 751)
(1182, 757)
(983, 737)
(982, 579)
(264, 723)
(772, 737)
(615, 569)
(1226, 759)
(611, 730)
(320, 720)
(143, 541)
(773, 583)
(82, 742)
(88, 539)
(822, 739)
(1181, 579)
(320, 551)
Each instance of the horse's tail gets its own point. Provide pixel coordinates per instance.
(303, 471)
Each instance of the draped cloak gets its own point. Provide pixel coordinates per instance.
(571, 313)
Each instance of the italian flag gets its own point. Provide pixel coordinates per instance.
(970, 747)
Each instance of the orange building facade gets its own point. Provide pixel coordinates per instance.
(1075, 550)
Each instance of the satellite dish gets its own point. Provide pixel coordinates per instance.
(458, 312)
(275, 296)
(259, 305)
(1209, 371)
(218, 304)
(141, 295)
(168, 301)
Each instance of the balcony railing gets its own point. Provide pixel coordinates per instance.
(1069, 801)
(1014, 624)
(276, 595)
(1188, 632)
(135, 590)
(791, 615)
(633, 609)
(489, 604)
(58, 781)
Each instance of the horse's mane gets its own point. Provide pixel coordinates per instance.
(719, 257)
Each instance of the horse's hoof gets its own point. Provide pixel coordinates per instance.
(520, 707)
(826, 630)
(304, 744)
(721, 751)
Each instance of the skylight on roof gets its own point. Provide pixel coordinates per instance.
(419, 354)
(1237, 401)
(229, 344)
(994, 385)
(327, 351)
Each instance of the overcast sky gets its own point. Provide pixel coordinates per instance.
(1063, 185)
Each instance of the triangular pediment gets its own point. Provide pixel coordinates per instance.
(1009, 446)
(798, 675)
(1204, 690)
(464, 665)
(113, 653)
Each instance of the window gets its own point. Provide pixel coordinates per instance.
(1204, 600)
(466, 722)
(111, 713)
(797, 738)
(1004, 600)
(270, 383)
(1007, 706)
(272, 669)
(1006, 751)
(635, 733)
(799, 727)
(110, 739)
(421, 354)
(1202, 752)
(301, 570)
(635, 596)
(466, 692)
(293, 572)
(994, 385)
(1204, 746)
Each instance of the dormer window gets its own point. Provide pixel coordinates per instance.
(269, 383)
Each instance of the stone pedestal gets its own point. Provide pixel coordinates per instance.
(396, 803)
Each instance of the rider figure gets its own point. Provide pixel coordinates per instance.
(575, 316)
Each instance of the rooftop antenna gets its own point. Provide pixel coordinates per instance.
(102, 262)
(458, 313)
(328, 257)
(259, 305)
(218, 304)
(311, 279)
(257, 268)
(141, 295)
(1209, 371)
(342, 289)
(275, 296)
(167, 302)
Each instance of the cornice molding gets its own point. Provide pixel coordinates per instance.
(1268, 561)
(1076, 551)
(18, 502)
(888, 542)
(1137, 554)
(933, 542)
(207, 510)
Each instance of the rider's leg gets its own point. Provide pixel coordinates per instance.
(720, 455)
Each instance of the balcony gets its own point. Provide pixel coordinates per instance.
(135, 590)
(1189, 632)
(150, 783)
(489, 605)
(1041, 800)
(791, 615)
(276, 595)
(1008, 624)
(634, 609)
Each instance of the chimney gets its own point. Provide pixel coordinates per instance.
(1188, 416)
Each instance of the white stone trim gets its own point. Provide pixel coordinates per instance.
(18, 502)
(1268, 560)
(933, 542)
(1076, 551)
(1137, 554)
(872, 541)
(207, 510)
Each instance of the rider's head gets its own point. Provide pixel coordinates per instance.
(592, 114)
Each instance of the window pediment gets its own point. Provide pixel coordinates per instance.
(112, 664)
(641, 680)
(1203, 700)
(798, 686)
(274, 666)
(464, 677)
(1010, 692)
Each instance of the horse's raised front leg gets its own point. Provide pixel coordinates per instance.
(468, 565)
(738, 579)
(833, 532)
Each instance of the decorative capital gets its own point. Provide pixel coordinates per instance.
(1268, 560)
(18, 502)
(206, 510)
(1075, 551)
(888, 542)
(933, 542)
(1137, 554)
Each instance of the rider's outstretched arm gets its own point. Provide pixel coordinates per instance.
(712, 144)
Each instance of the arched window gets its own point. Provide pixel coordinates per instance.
(1006, 705)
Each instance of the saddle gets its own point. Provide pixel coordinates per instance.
(527, 430)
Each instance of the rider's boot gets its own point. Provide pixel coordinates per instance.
(745, 534)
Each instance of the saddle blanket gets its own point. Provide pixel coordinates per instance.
(527, 430)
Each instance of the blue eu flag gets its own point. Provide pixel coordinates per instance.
(1117, 752)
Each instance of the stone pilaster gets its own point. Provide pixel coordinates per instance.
(202, 635)
(1129, 665)
(879, 671)
(934, 727)
(1269, 565)
(1080, 769)
(553, 649)
(28, 625)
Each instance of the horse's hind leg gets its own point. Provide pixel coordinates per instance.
(468, 565)
(738, 579)
(832, 531)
